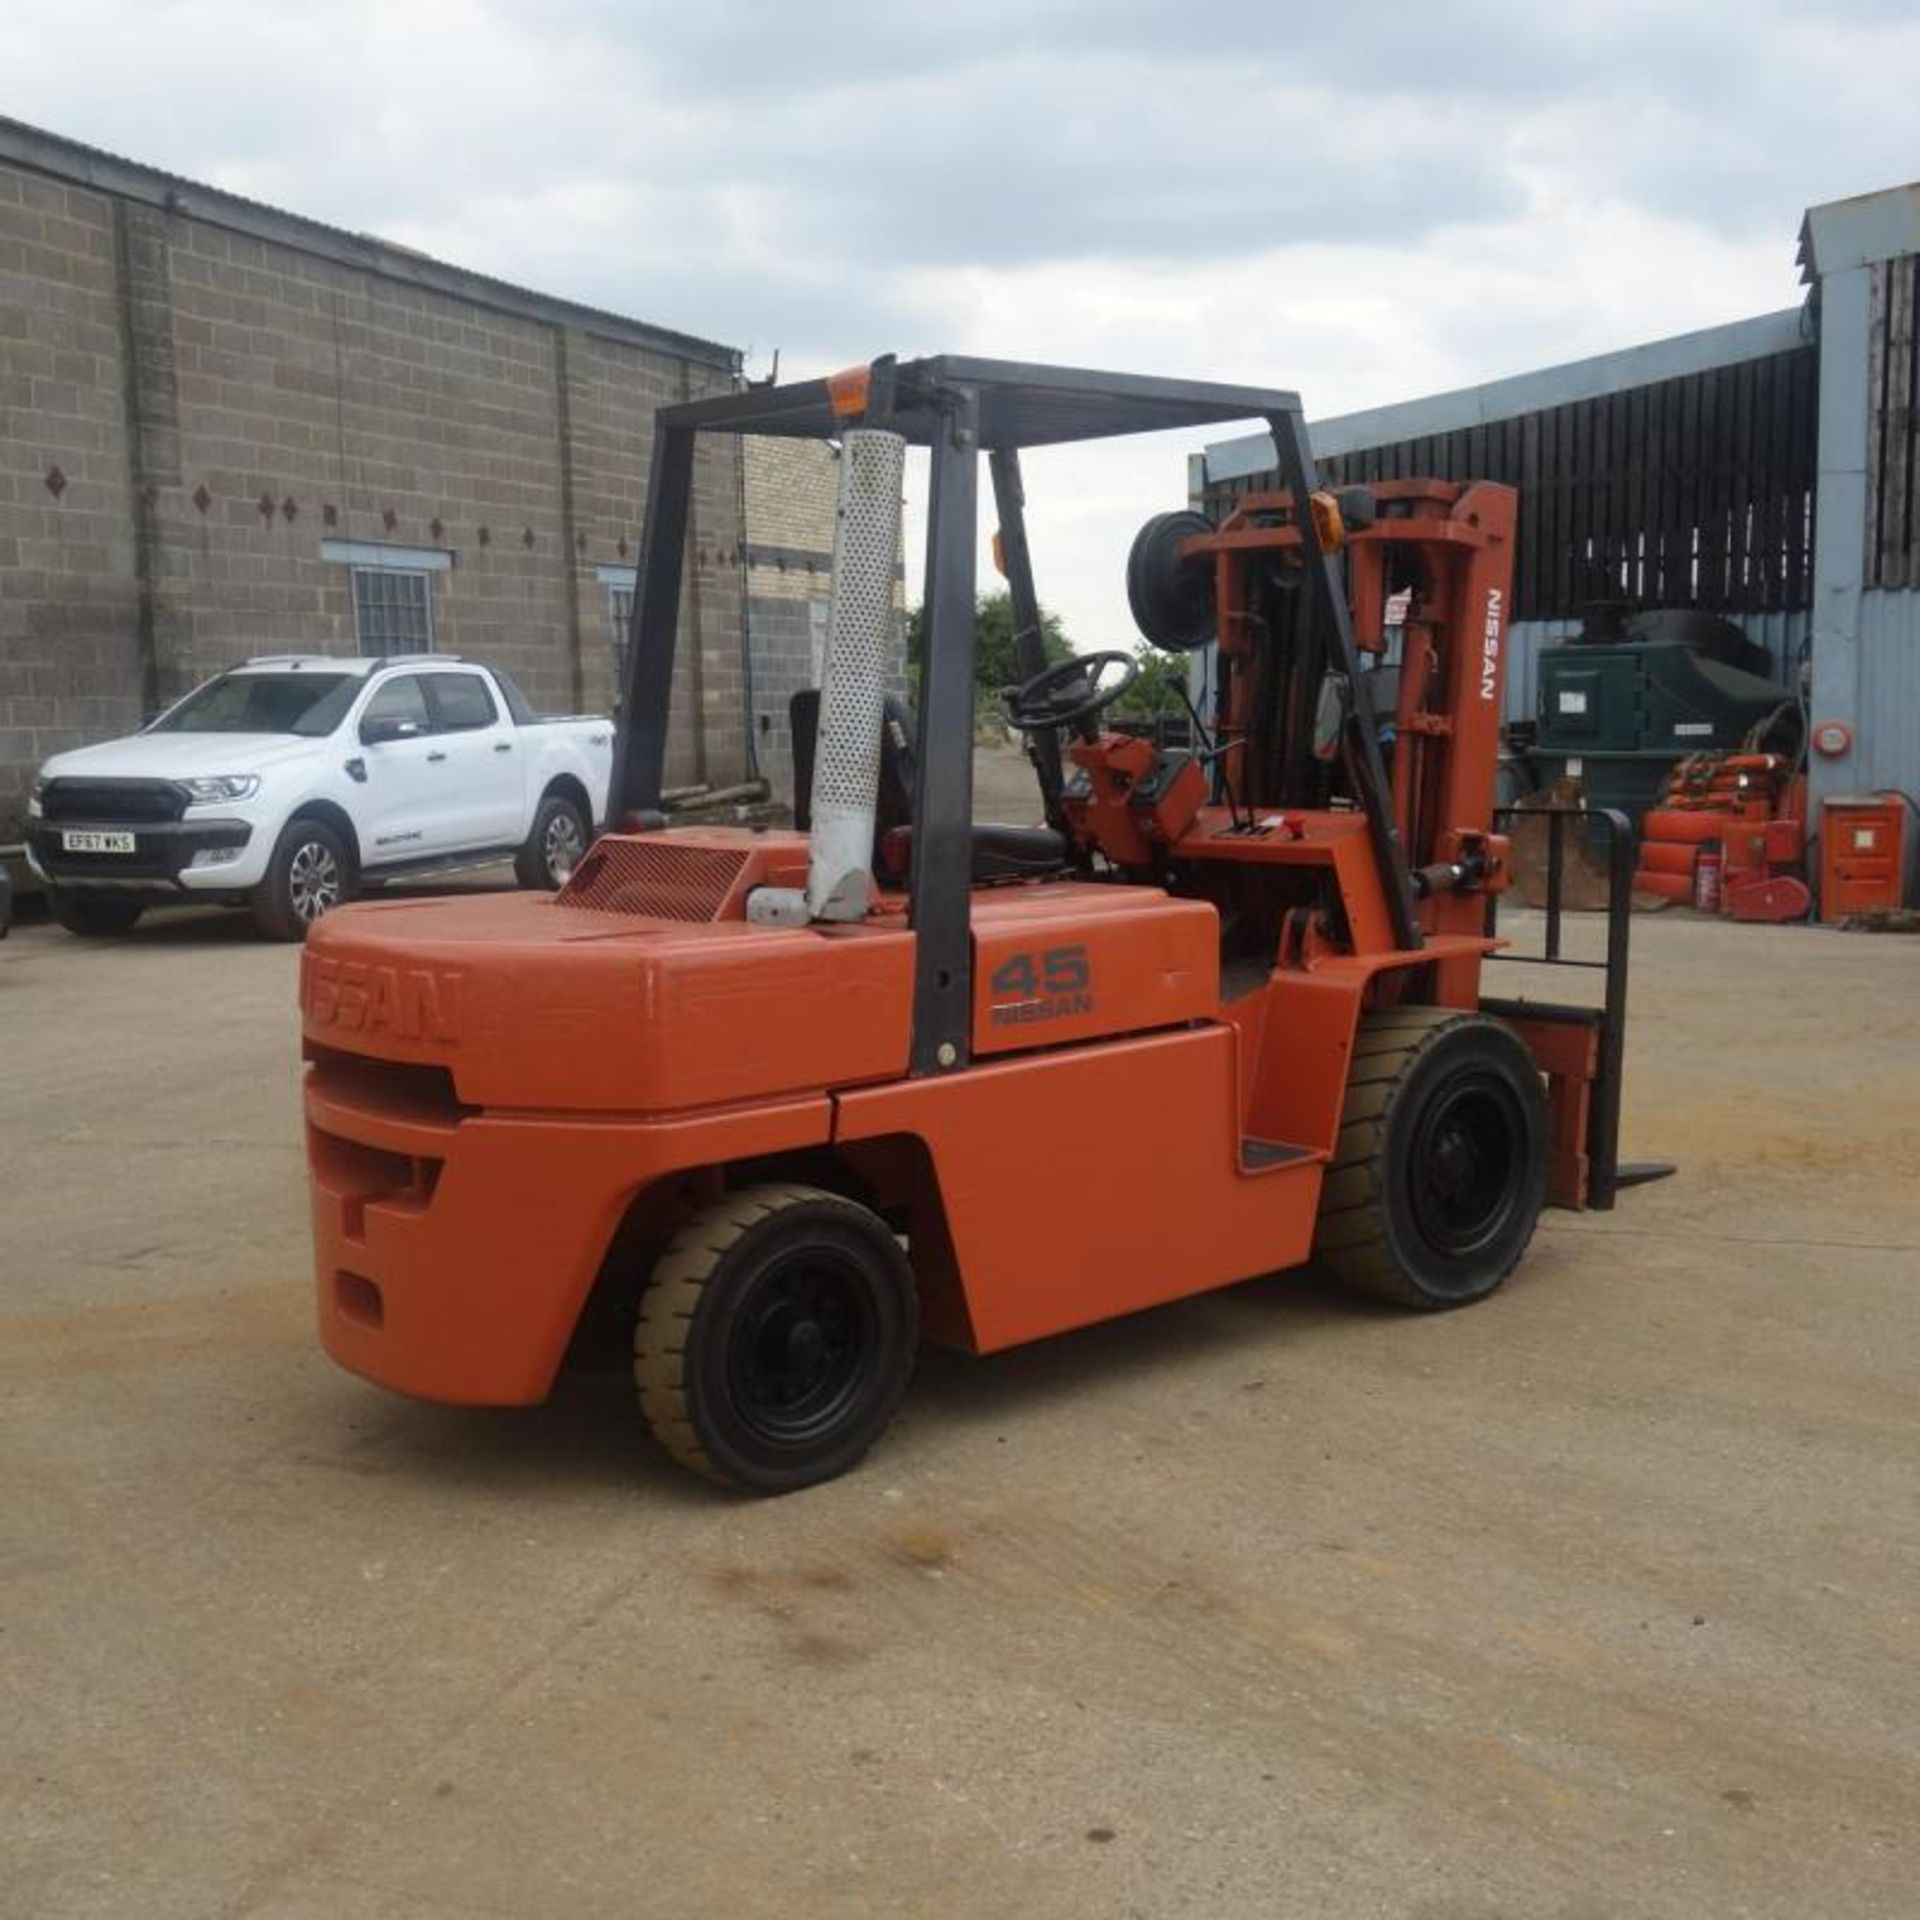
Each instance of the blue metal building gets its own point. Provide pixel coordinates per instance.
(1764, 470)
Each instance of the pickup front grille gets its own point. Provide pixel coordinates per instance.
(112, 800)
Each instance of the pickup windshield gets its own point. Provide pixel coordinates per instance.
(312, 704)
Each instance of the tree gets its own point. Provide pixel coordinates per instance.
(996, 663)
(1158, 687)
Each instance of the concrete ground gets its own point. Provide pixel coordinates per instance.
(1597, 1600)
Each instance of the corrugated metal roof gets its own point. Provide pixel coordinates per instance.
(63, 159)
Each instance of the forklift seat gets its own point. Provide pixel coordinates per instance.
(999, 853)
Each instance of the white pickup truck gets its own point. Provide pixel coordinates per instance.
(289, 782)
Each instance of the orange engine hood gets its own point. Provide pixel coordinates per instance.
(539, 1006)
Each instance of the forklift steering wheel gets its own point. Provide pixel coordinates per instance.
(1069, 690)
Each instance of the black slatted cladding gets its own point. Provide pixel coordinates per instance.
(1690, 492)
(1893, 425)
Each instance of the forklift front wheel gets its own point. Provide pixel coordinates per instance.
(776, 1338)
(1441, 1166)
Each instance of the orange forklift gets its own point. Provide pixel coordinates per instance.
(803, 1098)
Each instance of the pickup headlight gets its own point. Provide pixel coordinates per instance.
(35, 794)
(223, 786)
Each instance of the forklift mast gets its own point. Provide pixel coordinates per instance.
(1416, 673)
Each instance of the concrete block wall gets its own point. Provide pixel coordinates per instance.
(791, 493)
(69, 596)
(713, 608)
(610, 407)
(792, 490)
(223, 389)
(611, 395)
(315, 403)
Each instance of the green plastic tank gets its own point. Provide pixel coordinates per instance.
(1631, 694)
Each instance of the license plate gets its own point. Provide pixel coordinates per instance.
(97, 843)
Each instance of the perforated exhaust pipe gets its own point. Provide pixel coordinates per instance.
(846, 760)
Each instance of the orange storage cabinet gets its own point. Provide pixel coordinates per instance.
(1863, 854)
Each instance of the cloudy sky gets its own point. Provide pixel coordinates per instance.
(1364, 204)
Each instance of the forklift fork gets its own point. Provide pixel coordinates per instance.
(1581, 1049)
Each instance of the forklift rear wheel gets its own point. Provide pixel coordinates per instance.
(776, 1338)
(1441, 1165)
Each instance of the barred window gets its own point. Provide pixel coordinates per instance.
(392, 610)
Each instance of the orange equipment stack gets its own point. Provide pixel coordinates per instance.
(1750, 810)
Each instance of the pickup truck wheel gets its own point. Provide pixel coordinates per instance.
(94, 915)
(554, 847)
(310, 874)
(776, 1338)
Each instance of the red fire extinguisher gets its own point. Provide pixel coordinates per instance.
(1706, 879)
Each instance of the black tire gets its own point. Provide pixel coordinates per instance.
(1172, 602)
(310, 874)
(96, 916)
(776, 1338)
(559, 838)
(1441, 1166)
